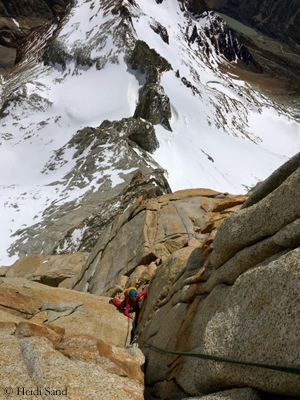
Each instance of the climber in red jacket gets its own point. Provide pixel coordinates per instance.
(130, 302)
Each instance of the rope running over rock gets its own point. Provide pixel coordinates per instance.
(290, 370)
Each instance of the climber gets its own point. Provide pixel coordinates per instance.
(131, 302)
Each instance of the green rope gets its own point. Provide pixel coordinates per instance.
(290, 370)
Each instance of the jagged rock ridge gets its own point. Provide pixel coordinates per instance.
(109, 171)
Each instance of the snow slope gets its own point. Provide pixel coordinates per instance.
(225, 136)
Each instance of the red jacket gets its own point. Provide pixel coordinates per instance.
(133, 302)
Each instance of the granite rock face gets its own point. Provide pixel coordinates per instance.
(66, 341)
(56, 271)
(234, 394)
(245, 324)
(273, 181)
(274, 212)
(236, 295)
(244, 306)
(156, 228)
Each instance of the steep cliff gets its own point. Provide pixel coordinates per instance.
(238, 298)
(19, 18)
(221, 273)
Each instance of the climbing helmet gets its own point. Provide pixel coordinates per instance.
(132, 293)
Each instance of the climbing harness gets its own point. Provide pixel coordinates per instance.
(290, 370)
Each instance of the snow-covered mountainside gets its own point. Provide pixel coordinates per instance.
(157, 61)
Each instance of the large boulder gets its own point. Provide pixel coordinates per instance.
(58, 341)
(77, 313)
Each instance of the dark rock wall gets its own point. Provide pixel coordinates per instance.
(195, 7)
(32, 8)
(279, 19)
(29, 15)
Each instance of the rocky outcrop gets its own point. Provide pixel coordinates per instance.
(56, 54)
(157, 228)
(214, 33)
(57, 271)
(224, 325)
(236, 295)
(59, 340)
(273, 181)
(236, 234)
(19, 18)
(223, 39)
(195, 7)
(148, 62)
(136, 129)
(154, 105)
(76, 313)
(161, 31)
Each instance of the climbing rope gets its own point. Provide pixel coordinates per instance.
(290, 370)
(128, 333)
